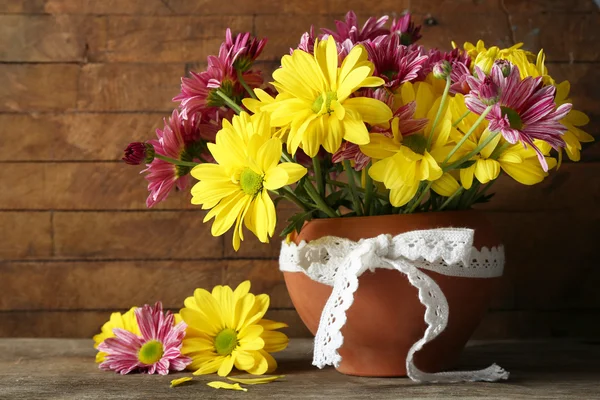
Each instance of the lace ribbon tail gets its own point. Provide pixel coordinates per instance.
(493, 373)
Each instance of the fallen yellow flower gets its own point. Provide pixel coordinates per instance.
(256, 381)
(225, 385)
(179, 381)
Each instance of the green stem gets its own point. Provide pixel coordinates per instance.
(368, 190)
(468, 134)
(319, 202)
(232, 104)
(418, 200)
(286, 157)
(288, 194)
(352, 185)
(439, 112)
(461, 118)
(245, 85)
(345, 185)
(449, 199)
(472, 153)
(319, 176)
(176, 162)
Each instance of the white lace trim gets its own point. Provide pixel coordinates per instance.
(447, 251)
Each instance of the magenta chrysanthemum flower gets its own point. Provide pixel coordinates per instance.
(393, 62)
(158, 349)
(199, 91)
(349, 29)
(138, 152)
(406, 29)
(243, 50)
(525, 109)
(180, 139)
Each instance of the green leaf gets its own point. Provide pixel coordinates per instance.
(296, 221)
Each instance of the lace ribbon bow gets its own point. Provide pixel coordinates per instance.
(339, 262)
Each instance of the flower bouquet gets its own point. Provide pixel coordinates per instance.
(364, 122)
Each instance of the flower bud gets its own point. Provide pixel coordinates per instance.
(442, 69)
(138, 152)
(489, 92)
(504, 66)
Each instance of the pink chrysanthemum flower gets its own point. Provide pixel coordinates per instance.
(199, 91)
(180, 139)
(406, 29)
(158, 349)
(243, 50)
(307, 41)
(349, 29)
(393, 62)
(434, 56)
(525, 110)
(458, 76)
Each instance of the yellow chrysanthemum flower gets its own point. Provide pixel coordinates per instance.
(529, 64)
(574, 136)
(226, 329)
(236, 188)
(405, 161)
(126, 321)
(314, 98)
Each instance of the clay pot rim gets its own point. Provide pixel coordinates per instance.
(355, 219)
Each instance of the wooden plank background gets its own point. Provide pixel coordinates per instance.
(79, 79)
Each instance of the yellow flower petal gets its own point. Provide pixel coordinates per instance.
(275, 178)
(256, 381)
(295, 171)
(402, 195)
(244, 360)
(179, 381)
(211, 366)
(355, 130)
(225, 385)
(446, 185)
(269, 325)
(261, 365)
(372, 111)
(466, 176)
(227, 365)
(274, 341)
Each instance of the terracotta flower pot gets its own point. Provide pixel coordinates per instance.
(386, 318)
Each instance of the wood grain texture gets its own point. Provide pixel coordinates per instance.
(40, 368)
(134, 235)
(144, 39)
(563, 38)
(41, 38)
(73, 136)
(38, 87)
(25, 235)
(129, 87)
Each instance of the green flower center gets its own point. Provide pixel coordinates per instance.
(416, 142)
(151, 352)
(513, 117)
(226, 342)
(325, 97)
(251, 182)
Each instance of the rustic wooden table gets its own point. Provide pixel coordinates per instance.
(64, 369)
